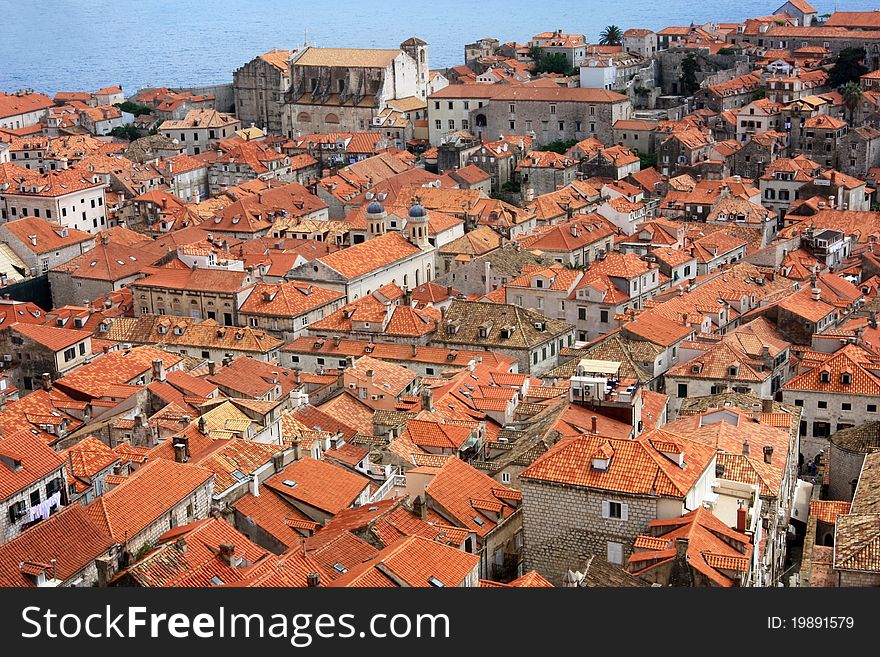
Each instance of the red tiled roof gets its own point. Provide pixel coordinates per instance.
(26, 460)
(324, 486)
(153, 490)
(69, 537)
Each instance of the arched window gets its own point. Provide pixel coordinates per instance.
(480, 120)
(303, 117)
(331, 118)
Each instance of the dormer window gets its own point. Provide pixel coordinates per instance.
(846, 378)
(825, 377)
(732, 370)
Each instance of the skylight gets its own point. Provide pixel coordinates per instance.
(290, 483)
(479, 520)
(433, 581)
(338, 567)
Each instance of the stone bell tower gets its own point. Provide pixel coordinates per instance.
(418, 50)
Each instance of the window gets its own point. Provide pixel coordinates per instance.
(615, 553)
(872, 408)
(846, 406)
(798, 402)
(682, 391)
(822, 404)
(505, 477)
(603, 316)
(553, 109)
(615, 510)
(69, 354)
(35, 498)
(438, 124)
(582, 313)
(452, 124)
(512, 125)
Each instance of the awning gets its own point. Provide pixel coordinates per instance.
(802, 495)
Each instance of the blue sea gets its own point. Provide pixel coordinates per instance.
(83, 45)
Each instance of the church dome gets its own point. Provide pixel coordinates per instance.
(417, 212)
(375, 208)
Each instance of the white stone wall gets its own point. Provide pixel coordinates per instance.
(563, 526)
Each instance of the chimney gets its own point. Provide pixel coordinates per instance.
(105, 239)
(766, 405)
(180, 544)
(227, 553)
(336, 340)
(212, 367)
(278, 462)
(46, 379)
(158, 369)
(313, 580)
(202, 425)
(415, 350)
(407, 296)
(741, 514)
(768, 453)
(745, 450)
(594, 425)
(449, 290)
(370, 374)
(816, 293)
(427, 399)
(179, 451)
(254, 485)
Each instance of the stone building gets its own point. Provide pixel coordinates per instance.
(550, 114)
(216, 294)
(259, 87)
(859, 151)
(345, 89)
(838, 393)
(592, 495)
(847, 457)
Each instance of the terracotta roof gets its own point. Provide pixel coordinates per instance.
(287, 299)
(828, 510)
(712, 547)
(153, 490)
(471, 499)
(636, 467)
(412, 561)
(68, 537)
(235, 460)
(327, 487)
(200, 564)
(41, 236)
(347, 57)
(195, 280)
(26, 460)
(361, 259)
(850, 360)
(15, 104)
(114, 368)
(351, 411)
(53, 338)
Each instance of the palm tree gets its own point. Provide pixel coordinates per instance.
(611, 36)
(852, 96)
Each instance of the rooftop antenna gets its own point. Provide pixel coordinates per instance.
(305, 37)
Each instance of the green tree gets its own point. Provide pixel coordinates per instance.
(759, 93)
(646, 160)
(559, 146)
(690, 65)
(852, 96)
(134, 108)
(555, 62)
(611, 36)
(128, 132)
(848, 67)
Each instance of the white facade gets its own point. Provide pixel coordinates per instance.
(83, 210)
